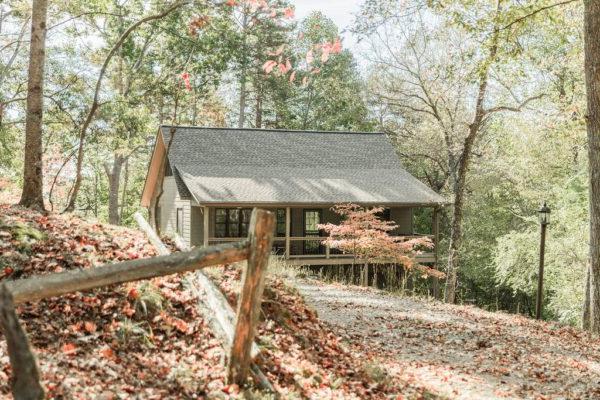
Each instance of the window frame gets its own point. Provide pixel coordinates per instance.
(307, 247)
(280, 223)
(235, 219)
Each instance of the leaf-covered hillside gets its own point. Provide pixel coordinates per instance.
(148, 340)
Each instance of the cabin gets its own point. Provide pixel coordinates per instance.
(204, 189)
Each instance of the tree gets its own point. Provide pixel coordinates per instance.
(591, 318)
(450, 94)
(262, 28)
(311, 83)
(333, 96)
(96, 98)
(143, 83)
(33, 183)
(363, 234)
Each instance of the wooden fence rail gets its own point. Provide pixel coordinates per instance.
(213, 303)
(256, 249)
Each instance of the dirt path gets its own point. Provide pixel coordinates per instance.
(460, 352)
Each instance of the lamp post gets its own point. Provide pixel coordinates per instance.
(544, 217)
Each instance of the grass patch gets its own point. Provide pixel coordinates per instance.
(23, 234)
(150, 300)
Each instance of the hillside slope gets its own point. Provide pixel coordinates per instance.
(148, 340)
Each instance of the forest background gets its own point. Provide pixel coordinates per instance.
(484, 101)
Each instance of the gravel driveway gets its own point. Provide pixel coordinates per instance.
(460, 352)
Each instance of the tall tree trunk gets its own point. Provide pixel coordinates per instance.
(592, 78)
(243, 73)
(456, 233)
(242, 111)
(259, 108)
(33, 185)
(114, 178)
(585, 318)
(124, 191)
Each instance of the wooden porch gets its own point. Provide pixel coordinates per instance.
(292, 248)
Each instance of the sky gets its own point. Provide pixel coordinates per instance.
(340, 11)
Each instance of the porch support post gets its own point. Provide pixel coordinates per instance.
(206, 220)
(436, 241)
(288, 223)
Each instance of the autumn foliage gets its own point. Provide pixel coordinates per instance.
(363, 233)
(280, 62)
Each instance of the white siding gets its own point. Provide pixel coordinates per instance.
(197, 226)
(169, 203)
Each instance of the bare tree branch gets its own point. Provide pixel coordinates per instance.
(539, 10)
(516, 108)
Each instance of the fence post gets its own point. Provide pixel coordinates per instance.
(262, 226)
(26, 377)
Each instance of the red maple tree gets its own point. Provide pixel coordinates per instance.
(365, 235)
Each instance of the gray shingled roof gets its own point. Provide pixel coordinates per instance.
(216, 165)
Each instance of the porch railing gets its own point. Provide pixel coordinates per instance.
(297, 246)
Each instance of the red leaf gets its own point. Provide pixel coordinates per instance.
(289, 13)
(269, 66)
(90, 327)
(108, 353)
(69, 349)
(133, 294)
(186, 79)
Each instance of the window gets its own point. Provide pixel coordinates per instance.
(232, 222)
(180, 221)
(280, 228)
(312, 218)
(245, 222)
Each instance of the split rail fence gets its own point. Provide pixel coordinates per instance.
(237, 330)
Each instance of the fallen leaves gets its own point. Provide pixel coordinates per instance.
(462, 351)
(99, 344)
(69, 349)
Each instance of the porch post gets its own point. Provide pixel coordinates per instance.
(288, 223)
(436, 241)
(206, 220)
